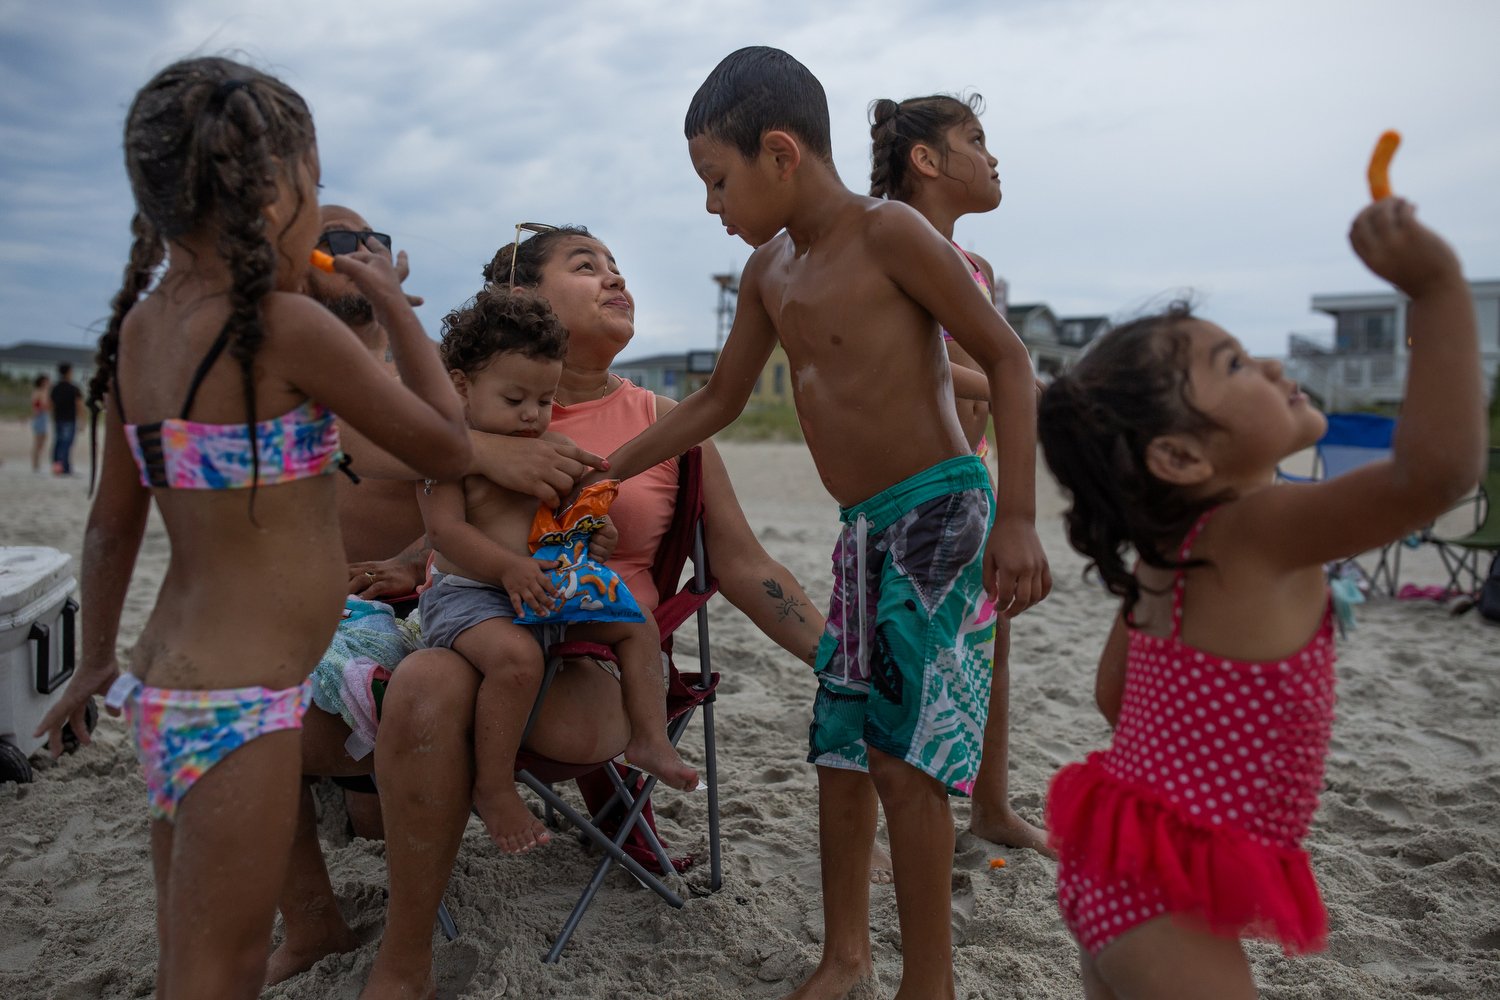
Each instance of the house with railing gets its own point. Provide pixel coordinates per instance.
(1365, 365)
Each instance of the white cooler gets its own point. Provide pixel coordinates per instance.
(38, 628)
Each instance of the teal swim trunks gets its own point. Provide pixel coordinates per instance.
(904, 665)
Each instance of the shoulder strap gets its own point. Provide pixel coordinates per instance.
(203, 367)
(1179, 577)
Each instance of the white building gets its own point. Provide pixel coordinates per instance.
(1366, 363)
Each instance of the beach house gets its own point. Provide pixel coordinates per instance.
(1365, 363)
(1055, 343)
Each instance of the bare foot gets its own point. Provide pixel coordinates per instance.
(295, 956)
(510, 824)
(1008, 829)
(881, 872)
(833, 980)
(659, 757)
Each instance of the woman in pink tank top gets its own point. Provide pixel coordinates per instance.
(430, 703)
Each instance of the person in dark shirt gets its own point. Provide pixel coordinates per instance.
(66, 399)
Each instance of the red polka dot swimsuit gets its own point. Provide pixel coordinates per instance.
(1201, 802)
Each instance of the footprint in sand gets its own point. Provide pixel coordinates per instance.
(1390, 807)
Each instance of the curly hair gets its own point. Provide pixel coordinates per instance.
(501, 320)
(531, 256)
(755, 90)
(896, 128)
(206, 142)
(1095, 423)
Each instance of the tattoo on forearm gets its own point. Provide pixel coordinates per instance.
(786, 605)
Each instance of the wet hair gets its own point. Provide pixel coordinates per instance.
(756, 90)
(206, 141)
(501, 320)
(531, 257)
(1095, 422)
(896, 128)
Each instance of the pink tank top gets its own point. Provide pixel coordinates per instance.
(643, 509)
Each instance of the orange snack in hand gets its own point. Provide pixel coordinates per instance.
(322, 261)
(1380, 164)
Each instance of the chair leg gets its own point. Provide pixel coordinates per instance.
(711, 778)
(445, 921)
(614, 853)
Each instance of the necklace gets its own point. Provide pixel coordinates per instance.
(591, 395)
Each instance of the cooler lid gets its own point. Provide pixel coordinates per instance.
(29, 571)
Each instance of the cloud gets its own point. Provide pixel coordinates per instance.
(1142, 147)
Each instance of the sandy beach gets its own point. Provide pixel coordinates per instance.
(1406, 844)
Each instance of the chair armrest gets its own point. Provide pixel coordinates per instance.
(682, 605)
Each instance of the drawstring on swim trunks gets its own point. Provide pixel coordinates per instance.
(862, 656)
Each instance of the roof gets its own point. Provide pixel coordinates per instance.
(1024, 309)
(29, 350)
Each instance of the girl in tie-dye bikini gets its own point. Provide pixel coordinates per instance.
(222, 383)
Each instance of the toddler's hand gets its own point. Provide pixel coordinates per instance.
(1398, 248)
(602, 543)
(528, 586)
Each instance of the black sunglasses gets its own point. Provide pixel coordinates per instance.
(349, 240)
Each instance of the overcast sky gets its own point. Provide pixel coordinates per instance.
(1144, 145)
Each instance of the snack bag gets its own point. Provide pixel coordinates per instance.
(587, 591)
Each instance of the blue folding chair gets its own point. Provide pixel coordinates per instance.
(1353, 440)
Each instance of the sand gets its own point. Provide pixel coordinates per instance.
(1406, 844)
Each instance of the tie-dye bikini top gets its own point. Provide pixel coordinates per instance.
(183, 454)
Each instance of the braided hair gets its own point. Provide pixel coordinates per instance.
(1095, 423)
(896, 128)
(206, 142)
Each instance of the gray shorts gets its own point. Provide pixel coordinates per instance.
(454, 604)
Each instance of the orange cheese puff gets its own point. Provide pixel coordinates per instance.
(997, 863)
(322, 261)
(1380, 164)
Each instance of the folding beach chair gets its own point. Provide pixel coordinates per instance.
(1460, 554)
(618, 797)
(1353, 440)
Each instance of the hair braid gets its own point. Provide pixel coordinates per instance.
(884, 174)
(146, 253)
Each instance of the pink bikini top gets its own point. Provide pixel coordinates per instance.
(183, 454)
(979, 276)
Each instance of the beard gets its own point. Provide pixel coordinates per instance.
(355, 310)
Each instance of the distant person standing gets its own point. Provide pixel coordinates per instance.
(41, 405)
(66, 401)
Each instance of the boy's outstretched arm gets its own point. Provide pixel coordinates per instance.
(709, 410)
(925, 267)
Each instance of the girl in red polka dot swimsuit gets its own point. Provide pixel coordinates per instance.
(1186, 834)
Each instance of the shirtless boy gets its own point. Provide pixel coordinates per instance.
(505, 353)
(855, 290)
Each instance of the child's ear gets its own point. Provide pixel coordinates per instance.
(1178, 459)
(925, 161)
(460, 383)
(784, 150)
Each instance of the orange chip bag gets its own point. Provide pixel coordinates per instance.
(587, 591)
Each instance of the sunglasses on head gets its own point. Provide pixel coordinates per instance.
(536, 229)
(349, 240)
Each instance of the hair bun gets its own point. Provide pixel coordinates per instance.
(882, 111)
